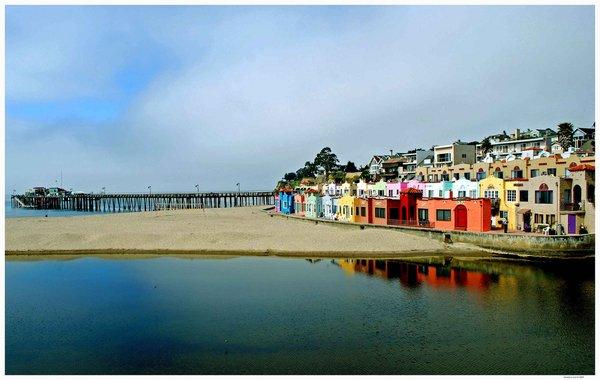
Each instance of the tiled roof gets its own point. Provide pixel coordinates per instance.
(582, 167)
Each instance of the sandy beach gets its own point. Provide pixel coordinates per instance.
(235, 231)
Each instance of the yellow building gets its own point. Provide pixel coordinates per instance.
(503, 204)
(346, 208)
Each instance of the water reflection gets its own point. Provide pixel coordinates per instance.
(472, 275)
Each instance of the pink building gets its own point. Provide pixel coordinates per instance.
(393, 189)
(414, 184)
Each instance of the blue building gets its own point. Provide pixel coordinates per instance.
(286, 202)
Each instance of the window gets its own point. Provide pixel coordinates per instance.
(492, 194)
(516, 172)
(430, 193)
(523, 196)
(480, 176)
(441, 193)
(379, 212)
(498, 174)
(444, 157)
(435, 178)
(468, 176)
(523, 146)
(534, 173)
(463, 155)
(445, 177)
(511, 195)
(357, 211)
(462, 193)
(442, 215)
(423, 215)
(380, 192)
(361, 192)
(363, 211)
(551, 171)
(504, 214)
(472, 193)
(543, 195)
(538, 218)
(390, 193)
(456, 176)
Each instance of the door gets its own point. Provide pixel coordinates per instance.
(460, 218)
(572, 223)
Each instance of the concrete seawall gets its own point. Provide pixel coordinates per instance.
(562, 246)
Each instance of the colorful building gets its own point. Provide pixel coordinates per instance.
(393, 189)
(408, 206)
(314, 206)
(464, 188)
(363, 210)
(348, 188)
(330, 206)
(286, 202)
(379, 189)
(455, 214)
(346, 209)
(299, 205)
(385, 211)
(441, 189)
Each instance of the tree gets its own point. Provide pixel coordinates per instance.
(290, 176)
(309, 170)
(350, 167)
(326, 160)
(486, 145)
(338, 176)
(565, 135)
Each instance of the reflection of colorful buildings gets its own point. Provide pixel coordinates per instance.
(411, 275)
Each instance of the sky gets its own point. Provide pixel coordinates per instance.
(126, 97)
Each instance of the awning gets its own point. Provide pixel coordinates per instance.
(523, 211)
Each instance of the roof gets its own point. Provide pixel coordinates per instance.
(411, 190)
(582, 167)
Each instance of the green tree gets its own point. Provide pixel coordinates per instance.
(565, 135)
(309, 170)
(350, 167)
(486, 145)
(338, 176)
(290, 176)
(326, 160)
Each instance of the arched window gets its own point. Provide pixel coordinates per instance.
(480, 174)
(543, 195)
(498, 173)
(516, 173)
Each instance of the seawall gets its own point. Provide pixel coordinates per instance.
(543, 246)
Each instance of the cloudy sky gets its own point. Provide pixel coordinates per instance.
(126, 97)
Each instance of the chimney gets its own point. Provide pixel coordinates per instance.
(517, 133)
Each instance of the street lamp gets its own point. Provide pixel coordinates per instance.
(198, 189)
(238, 186)
(103, 190)
(150, 189)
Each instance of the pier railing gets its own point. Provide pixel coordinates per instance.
(142, 202)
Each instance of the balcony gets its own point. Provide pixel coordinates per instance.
(564, 206)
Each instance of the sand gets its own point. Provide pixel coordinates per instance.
(232, 231)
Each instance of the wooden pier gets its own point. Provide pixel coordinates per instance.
(142, 202)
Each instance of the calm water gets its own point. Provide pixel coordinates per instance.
(19, 212)
(272, 315)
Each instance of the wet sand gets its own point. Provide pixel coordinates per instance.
(223, 232)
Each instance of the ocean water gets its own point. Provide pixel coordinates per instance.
(181, 315)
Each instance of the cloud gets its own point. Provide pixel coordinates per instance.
(247, 93)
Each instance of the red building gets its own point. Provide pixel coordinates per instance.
(456, 214)
(408, 205)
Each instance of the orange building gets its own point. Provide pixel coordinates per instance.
(454, 214)
(364, 210)
(385, 209)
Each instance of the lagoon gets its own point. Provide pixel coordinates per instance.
(267, 315)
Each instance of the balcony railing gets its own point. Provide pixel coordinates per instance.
(564, 206)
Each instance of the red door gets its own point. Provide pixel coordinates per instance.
(460, 218)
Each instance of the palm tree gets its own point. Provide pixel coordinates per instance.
(565, 135)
